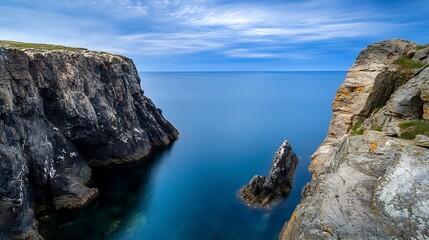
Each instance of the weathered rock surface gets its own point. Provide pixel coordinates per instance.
(422, 141)
(262, 191)
(375, 185)
(377, 188)
(368, 85)
(61, 111)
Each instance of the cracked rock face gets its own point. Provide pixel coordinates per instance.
(375, 185)
(377, 188)
(262, 191)
(60, 112)
(368, 85)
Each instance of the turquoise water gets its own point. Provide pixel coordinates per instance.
(230, 125)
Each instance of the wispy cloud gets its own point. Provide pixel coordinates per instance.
(202, 26)
(250, 29)
(123, 8)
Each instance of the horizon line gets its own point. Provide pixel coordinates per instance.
(238, 71)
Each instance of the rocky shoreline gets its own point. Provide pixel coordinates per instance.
(65, 111)
(61, 112)
(370, 176)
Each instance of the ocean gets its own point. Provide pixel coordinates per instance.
(231, 124)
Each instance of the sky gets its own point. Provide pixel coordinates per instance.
(219, 35)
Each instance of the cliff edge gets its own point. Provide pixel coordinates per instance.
(62, 111)
(370, 175)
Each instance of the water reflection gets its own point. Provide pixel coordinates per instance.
(122, 188)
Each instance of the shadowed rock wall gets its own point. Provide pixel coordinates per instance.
(61, 111)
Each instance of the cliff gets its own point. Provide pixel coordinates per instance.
(370, 175)
(62, 111)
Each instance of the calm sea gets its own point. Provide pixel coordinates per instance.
(230, 124)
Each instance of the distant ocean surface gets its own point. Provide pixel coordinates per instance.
(230, 124)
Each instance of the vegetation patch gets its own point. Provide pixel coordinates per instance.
(419, 47)
(40, 46)
(406, 67)
(407, 63)
(357, 129)
(409, 129)
(377, 128)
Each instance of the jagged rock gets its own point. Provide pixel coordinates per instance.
(408, 102)
(262, 191)
(421, 140)
(422, 55)
(377, 188)
(59, 112)
(368, 85)
(424, 95)
(375, 185)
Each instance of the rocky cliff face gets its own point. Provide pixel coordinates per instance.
(368, 182)
(61, 112)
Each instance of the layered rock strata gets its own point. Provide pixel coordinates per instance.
(373, 185)
(262, 191)
(61, 111)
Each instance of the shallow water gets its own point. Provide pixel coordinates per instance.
(230, 125)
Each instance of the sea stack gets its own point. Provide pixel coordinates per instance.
(62, 111)
(262, 191)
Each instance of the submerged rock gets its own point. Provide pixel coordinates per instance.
(61, 111)
(261, 191)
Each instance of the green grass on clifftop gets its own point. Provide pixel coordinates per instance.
(407, 63)
(39, 46)
(409, 129)
(419, 47)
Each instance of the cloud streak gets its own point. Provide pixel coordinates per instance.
(251, 29)
(202, 26)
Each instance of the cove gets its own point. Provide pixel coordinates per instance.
(230, 124)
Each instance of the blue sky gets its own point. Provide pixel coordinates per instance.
(219, 35)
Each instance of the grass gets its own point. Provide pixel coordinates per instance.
(377, 128)
(357, 129)
(419, 47)
(407, 63)
(410, 129)
(40, 46)
(406, 68)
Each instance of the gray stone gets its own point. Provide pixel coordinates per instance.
(421, 140)
(422, 55)
(368, 85)
(406, 102)
(377, 189)
(263, 191)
